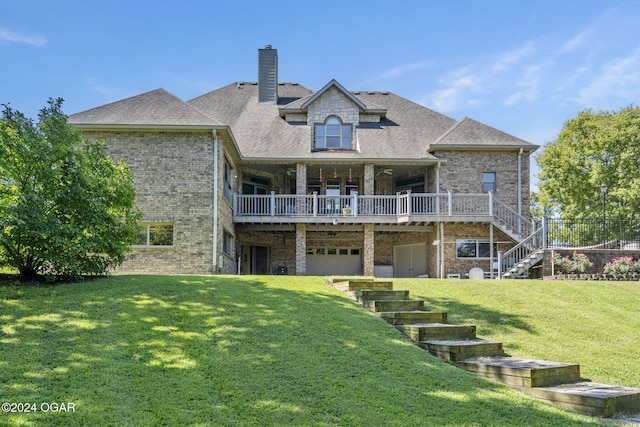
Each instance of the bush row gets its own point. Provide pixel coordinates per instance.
(580, 264)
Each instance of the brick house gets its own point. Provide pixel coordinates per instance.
(273, 178)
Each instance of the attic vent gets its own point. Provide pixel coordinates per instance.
(357, 92)
(371, 93)
(385, 93)
(254, 83)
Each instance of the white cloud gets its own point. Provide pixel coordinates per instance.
(108, 92)
(11, 37)
(510, 58)
(398, 71)
(618, 81)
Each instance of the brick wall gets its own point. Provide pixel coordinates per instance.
(173, 174)
(463, 174)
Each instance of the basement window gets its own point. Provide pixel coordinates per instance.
(153, 234)
(475, 249)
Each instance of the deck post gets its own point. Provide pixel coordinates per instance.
(273, 203)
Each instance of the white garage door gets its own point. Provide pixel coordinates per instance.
(334, 261)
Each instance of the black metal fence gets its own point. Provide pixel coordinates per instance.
(597, 233)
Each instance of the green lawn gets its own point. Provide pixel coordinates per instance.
(279, 351)
(592, 323)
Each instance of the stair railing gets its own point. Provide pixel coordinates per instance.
(511, 219)
(508, 259)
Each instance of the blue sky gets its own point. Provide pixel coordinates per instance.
(522, 67)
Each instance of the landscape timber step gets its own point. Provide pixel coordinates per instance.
(589, 398)
(413, 317)
(517, 372)
(438, 331)
(380, 295)
(394, 305)
(453, 351)
(352, 285)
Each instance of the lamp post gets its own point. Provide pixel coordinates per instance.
(603, 195)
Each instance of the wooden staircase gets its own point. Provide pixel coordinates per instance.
(558, 383)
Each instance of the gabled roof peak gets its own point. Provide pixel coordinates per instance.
(154, 108)
(325, 88)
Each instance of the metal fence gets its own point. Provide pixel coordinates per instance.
(596, 233)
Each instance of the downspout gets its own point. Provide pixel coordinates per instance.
(520, 181)
(215, 202)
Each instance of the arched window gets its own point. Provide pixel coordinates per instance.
(332, 135)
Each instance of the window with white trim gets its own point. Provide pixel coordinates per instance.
(154, 234)
(333, 134)
(227, 243)
(488, 182)
(475, 249)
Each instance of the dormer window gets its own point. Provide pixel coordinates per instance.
(332, 135)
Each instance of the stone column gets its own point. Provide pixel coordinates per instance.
(301, 249)
(301, 178)
(368, 249)
(369, 176)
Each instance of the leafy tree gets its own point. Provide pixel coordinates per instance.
(65, 208)
(593, 149)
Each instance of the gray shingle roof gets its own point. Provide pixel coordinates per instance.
(470, 134)
(404, 134)
(155, 108)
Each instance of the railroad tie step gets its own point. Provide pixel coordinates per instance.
(413, 317)
(352, 285)
(453, 351)
(394, 305)
(380, 295)
(438, 331)
(589, 398)
(517, 372)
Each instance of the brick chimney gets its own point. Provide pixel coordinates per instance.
(268, 75)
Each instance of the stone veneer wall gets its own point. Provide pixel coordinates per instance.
(463, 174)
(333, 103)
(173, 176)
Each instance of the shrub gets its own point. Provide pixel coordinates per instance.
(622, 265)
(578, 264)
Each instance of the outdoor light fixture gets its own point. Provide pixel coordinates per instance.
(603, 194)
(320, 179)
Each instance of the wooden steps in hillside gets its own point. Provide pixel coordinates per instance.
(558, 383)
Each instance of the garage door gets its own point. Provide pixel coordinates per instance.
(334, 261)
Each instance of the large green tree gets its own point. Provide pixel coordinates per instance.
(66, 209)
(592, 149)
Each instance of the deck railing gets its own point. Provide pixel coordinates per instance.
(400, 204)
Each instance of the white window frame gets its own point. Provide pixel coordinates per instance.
(321, 135)
(486, 183)
(227, 243)
(147, 232)
(477, 243)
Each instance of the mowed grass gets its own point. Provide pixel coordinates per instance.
(592, 323)
(247, 351)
